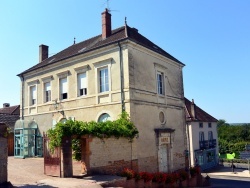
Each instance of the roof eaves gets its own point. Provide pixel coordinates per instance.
(91, 49)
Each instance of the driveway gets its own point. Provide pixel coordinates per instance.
(29, 173)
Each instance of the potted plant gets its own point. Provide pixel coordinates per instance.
(128, 173)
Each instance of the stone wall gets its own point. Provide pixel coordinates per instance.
(3, 154)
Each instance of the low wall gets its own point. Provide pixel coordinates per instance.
(3, 154)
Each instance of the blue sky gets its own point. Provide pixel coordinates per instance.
(211, 37)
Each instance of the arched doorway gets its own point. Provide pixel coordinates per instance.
(28, 140)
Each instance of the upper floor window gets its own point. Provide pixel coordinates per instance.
(82, 84)
(201, 125)
(47, 92)
(201, 136)
(104, 79)
(63, 88)
(160, 83)
(210, 135)
(33, 95)
(209, 125)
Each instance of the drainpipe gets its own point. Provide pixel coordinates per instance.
(22, 98)
(122, 77)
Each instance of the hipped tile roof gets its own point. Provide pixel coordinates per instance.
(119, 34)
(200, 115)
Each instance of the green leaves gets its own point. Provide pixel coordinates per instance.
(121, 127)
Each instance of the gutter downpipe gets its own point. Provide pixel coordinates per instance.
(22, 98)
(121, 77)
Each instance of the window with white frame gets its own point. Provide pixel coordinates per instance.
(82, 84)
(160, 83)
(201, 125)
(47, 92)
(103, 80)
(209, 125)
(63, 88)
(33, 95)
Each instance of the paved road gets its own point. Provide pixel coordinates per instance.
(223, 177)
(28, 173)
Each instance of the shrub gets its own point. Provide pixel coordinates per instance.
(128, 173)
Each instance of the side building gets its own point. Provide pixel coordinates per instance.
(9, 115)
(202, 136)
(98, 78)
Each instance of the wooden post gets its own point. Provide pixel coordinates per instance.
(66, 158)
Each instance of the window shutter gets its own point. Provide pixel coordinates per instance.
(82, 80)
(33, 92)
(64, 85)
(47, 86)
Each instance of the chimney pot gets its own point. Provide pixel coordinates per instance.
(43, 52)
(6, 105)
(106, 24)
(193, 115)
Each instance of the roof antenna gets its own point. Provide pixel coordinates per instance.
(74, 40)
(126, 29)
(108, 7)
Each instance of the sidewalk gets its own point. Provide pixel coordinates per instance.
(226, 171)
(29, 173)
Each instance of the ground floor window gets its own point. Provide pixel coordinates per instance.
(205, 158)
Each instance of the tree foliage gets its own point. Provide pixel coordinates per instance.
(232, 138)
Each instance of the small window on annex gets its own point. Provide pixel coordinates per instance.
(201, 136)
(210, 135)
(209, 125)
(28, 140)
(104, 117)
(201, 125)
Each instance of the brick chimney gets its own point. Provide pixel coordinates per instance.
(193, 116)
(106, 24)
(43, 52)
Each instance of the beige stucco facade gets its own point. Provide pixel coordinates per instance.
(155, 115)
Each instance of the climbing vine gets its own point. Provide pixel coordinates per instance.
(121, 127)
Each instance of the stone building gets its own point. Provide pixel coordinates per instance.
(98, 78)
(202, 136)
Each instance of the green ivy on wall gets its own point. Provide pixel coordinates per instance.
(121, 127)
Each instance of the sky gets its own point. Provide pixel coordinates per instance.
(211, 37)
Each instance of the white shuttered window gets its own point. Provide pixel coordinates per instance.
(63, 88)
(82, 84)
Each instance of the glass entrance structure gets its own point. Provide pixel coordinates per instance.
(28, 140)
